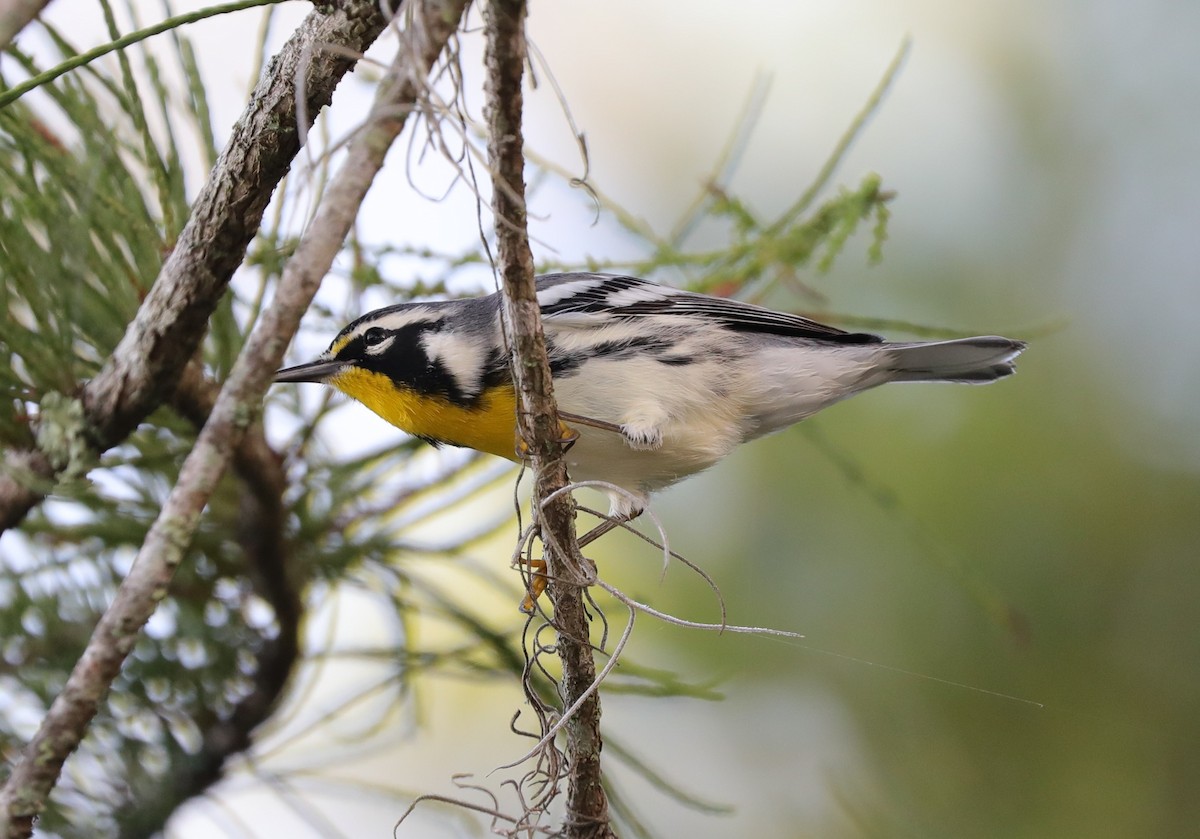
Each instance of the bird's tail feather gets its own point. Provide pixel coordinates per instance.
(971, 360)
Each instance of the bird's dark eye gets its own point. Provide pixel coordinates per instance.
(374, 336)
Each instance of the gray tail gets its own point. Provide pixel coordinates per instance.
(971, 360)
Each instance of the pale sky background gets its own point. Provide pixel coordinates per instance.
(1055, 142)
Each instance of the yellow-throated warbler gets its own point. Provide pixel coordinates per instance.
(659, 383)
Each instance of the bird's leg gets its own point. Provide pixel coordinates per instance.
(536, 585)
(537, 567)
(603, 527)
(566, 438)
(537, 572)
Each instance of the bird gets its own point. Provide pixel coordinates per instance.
(654, 383)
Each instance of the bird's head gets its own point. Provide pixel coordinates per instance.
(430, 369)
(388, 342)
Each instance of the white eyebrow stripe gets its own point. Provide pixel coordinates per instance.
(398, 320)
(463, 356)
(395, 321)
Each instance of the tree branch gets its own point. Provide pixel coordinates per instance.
(538, 422)
(430, 25)
(15, 15)
(274, 577)
(145, 367)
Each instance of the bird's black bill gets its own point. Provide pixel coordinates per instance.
(314, 371)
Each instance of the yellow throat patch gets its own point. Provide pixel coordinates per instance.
(488, 427)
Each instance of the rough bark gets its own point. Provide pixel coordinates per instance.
(429, 26)
(538, 422)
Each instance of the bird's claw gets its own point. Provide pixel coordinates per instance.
(566, 438)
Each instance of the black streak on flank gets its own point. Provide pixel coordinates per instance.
(655, 348)
(564, 365)
(631, 348)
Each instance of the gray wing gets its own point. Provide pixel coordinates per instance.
(571, 298)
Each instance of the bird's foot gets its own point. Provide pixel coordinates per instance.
(566, 438)
(643, 437)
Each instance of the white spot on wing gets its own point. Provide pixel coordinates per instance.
(637, 294)
(565, 291)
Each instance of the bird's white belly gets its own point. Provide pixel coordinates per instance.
(700, 411)
(697, 428)
(607, 456)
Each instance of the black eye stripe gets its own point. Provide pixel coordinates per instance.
(374, 336)
(401, 355)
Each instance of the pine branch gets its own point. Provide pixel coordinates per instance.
(15, 15)
(430, 25)
(538, 422)
(147, 364)
(118, 44)
(272, 571)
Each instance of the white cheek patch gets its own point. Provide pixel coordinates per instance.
(461, 356)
